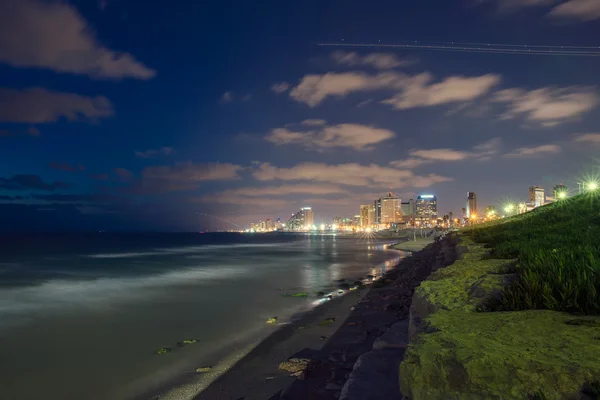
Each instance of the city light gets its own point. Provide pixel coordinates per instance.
(562, 195)
(509, 208)
(368, 230)
(591, 186)
(322, 227)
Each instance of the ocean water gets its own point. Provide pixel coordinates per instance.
(81, 316)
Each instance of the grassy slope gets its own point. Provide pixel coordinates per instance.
(467, 354)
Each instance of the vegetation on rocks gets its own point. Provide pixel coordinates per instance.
(558, 252)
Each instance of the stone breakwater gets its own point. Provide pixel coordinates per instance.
(361, 360)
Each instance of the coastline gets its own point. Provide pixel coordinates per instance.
(256, 374)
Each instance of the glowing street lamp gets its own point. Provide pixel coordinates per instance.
(562, 195)
(322, 227)
(592, 186)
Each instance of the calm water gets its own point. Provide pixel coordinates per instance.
(81, 316)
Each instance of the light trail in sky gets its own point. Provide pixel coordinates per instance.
(491, 48)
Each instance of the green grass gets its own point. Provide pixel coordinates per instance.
(558, 251)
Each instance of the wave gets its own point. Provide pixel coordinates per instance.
(60, 294)
(179, 250)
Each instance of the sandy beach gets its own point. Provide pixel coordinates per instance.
(332, 337)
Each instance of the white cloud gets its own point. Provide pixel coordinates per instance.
(280, 87)
(584, 10)
(419, 92)
(284, 190)
(163, 151)
(350, 174)
(535, 151)
(313, 122)
(356, 136)
(313, 89)
(480, 152)
(55, 36)
(38, 106)
(548, 106)
(588, 138)
(227, 97)
(411, 91)
(376, 60)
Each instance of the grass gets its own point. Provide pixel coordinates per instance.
(558, 251)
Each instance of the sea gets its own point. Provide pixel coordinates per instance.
(82, 316)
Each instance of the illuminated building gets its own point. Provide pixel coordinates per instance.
(408, 211)
(357, 221)
(426, 209)
(559, 191)
(364, 215)
(388, 210)
(471, 204)
(537, 196)
(303, 219)
(372, 220)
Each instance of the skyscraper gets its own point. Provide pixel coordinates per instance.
(537, 196)
(388, 209)
(372, 218)
(426, 209)
(471, 204)
(303, 219)
(408, 211)
(364, 216)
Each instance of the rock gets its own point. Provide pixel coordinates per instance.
(357, 283)
(344, 286)
(272, 320)
(294, 365)
(163, 350)
(370, 276)
(324, 337)
(333, 386)
(204, 369)
(396, 337)
(320, 294)
(352, 308)
(327, 321)
(189, 341)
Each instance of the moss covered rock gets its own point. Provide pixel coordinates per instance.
(459, 353)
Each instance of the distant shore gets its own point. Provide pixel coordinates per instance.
(257, 376)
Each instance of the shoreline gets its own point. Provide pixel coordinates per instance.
(298, 332)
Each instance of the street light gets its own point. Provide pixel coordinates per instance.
(562, 195)
(592, 186)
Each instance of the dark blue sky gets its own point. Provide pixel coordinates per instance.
(128, 115)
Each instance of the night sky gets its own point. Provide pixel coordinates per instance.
(176, 116)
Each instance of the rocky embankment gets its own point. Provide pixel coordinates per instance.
(458, 352)
(361, 360)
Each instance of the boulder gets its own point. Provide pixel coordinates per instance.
(203, 369)
(272, 320)
(163, 350)
(295, 365)
(396, 337)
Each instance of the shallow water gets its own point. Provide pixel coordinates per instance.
(81, 316)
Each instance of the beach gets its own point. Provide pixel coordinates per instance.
(359, 318)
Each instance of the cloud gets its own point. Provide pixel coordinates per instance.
(53, 35)
(419, 92)
(584, 10)
(589, 138)
(535, 151)
(351, 174)
(63, 166)
(30, 182)
(38, 106)
(511, 5)
(364, 103)
(313, 89)
(417, 158)
(313, 122)
(246, 201)
(280, 87)
(123, 174)
(284, 190)
(355, 136)
(182, 177)
(376, 60)
(227, 97)
(549, 106)
(411, 91)
(163, 151)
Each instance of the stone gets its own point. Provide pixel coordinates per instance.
(189, 341)
(294, 365)
(272, 320)
(327, 321)
(204, 369)
(163, 350)
(333, 386)
(374, 377)
(396, 337)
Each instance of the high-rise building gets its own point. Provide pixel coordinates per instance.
(471, 204)
(388, 209)
(408, 211)
(560, 191)
(364, 215)
(372, 217)
(536, 196)
(303, 219)
(356, 221)
(426, 209)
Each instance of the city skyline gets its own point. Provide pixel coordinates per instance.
(194, 116)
